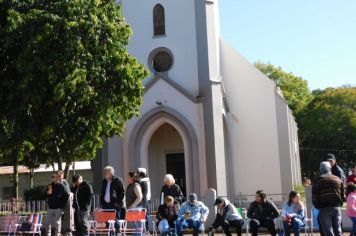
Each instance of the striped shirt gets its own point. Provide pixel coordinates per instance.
(328, 191)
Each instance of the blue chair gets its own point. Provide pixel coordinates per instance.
(314, 220)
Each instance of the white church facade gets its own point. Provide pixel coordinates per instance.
(208, 116)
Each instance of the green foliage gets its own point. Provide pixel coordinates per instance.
(67, 80)
(295, 89)
(329, 125)
(301, 190)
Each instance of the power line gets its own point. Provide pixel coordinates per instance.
(327, 150)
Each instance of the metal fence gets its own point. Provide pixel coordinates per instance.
(41, 206)
(23, 206)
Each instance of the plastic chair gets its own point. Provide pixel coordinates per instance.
(243, 214)
(137, 216)
(105, 217)
(9, 223)
(314, 220)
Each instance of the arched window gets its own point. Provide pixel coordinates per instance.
(159, 27)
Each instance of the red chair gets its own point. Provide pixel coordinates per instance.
(136, 216)
(104, 221)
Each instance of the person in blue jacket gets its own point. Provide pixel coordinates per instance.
(192, 214)
(293, 214)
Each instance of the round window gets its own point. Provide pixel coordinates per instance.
(162, 61)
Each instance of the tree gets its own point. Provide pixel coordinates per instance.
(67, 79)
(328, 124)
(295, 90)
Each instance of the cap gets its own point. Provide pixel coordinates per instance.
(218, 201)
(329, 157)
(142, 170)
(193, 196)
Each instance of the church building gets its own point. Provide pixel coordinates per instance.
(209, 117)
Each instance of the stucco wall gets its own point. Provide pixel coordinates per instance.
(252, 125)
(179, 39)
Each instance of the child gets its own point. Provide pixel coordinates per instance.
(351, 206)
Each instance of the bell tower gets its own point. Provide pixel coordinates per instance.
(179, 39)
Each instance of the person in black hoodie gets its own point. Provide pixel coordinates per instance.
(113, 193)
(57, 197)
(82, 204)
(167, 211)
(262, 212)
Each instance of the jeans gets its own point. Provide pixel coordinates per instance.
(82, 223)
(330, 220)
(353, 219)
(296, 224)
(53, 220)
(267, 222)
(190, 223)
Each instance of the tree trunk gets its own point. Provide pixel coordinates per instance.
(32, 171)
(60, 163)
(16, 179)
(66, 169)
(73, 168)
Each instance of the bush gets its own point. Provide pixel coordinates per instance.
(36, 193)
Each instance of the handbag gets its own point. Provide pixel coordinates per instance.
(163, 226)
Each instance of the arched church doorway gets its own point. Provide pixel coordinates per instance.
(166, 156)
(162, 134)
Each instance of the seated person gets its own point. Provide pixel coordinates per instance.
(262, 212)
(168, 211)
(293, 214)
(226, 217)
(191, 215)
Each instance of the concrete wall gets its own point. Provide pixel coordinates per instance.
(251, 125)
(40, 179)
(288, 146)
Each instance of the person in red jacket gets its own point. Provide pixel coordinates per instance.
(351, 178)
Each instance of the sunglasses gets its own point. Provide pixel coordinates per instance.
(53, 176)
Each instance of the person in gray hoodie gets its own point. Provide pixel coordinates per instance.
(227, 216)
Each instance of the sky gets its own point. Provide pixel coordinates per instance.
(313, 39)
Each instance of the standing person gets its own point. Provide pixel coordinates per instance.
(328, 196)
(167, 211)
(226, 217)
(170, 188)
(57, 198)
(134, 195)
(335, 168)
(145, 181)
(68, 214)
(262, 213)
(83, 197)
(351, 178)
(351, 206)
(133, 192)
(146, 191)
(192, 214)
(293, 214)
(113, 193)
